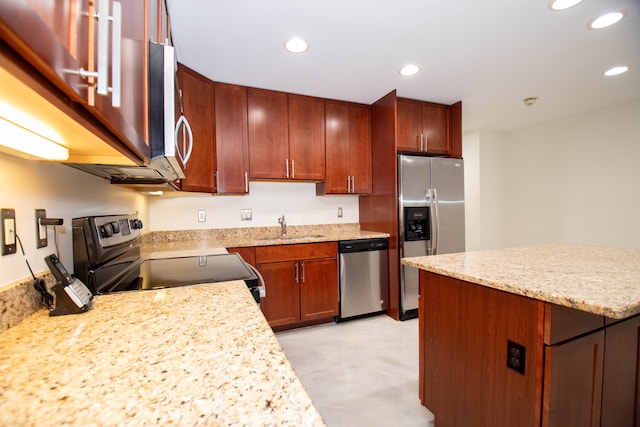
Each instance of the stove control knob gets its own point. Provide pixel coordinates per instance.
(116, 227)
(136, 224)
(106, 230)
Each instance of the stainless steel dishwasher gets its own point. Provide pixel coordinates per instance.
(363, 277)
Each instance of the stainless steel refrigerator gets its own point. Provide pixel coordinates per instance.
(430, 216)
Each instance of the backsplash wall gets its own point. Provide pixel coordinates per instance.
(65, 193)
(297, 201)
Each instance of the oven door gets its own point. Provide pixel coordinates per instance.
(119, 274)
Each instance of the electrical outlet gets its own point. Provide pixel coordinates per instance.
(8, 231)
(516, 356)
(339, 212)
(41, 230)
(245, 214)
(202, 215)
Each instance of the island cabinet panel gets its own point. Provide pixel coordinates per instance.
(580, 369)
(268, 134)
(306, 138)
(348, 149)
(58, 38)
(466, 379)
(573, 382)
(197, 102)
(232, 139)
(301, 283)
(621, 387)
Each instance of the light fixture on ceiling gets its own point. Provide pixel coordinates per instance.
(26, 136)
(614, 71)
(296, 45)
(530, 101)
(409, 70)
(605, 20)
(562, 4)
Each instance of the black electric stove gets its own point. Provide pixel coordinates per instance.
(106, 257)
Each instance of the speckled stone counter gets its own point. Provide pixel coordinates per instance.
(197, 355)
(599, 280)
(202, 241)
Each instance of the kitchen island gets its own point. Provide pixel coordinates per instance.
(543, 335)
(195, 355)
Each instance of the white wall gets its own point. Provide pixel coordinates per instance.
(575, 180)
(486, 197)
(267, 200)
(65, 193)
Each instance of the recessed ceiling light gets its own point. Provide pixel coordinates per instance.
(296, 45)
(616, 70)
(409, 70)
(562, 4)
(605, 20)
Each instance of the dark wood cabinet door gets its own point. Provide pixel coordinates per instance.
(281, 306)
(197, 102)
(573, 374)
(337, 148)
(268, 134)
(621, 385)
(58, 38)
(129, 121)
(360, 148)
(435, 128)
(53, 36)
(318, 289)
(232, 139)
(306, 137)
(409, 128)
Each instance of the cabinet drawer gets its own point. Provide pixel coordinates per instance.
(562, 323)
(278, 253)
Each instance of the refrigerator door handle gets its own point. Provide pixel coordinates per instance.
(435, 222)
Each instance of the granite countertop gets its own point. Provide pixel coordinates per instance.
(207, 241)
(599, 280)
(196, 355)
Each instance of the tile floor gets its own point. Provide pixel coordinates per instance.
(360, 372)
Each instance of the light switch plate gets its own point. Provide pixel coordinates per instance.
(8, 231)
(245, 214)
(41, 230)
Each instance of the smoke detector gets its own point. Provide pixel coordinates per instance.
(530, 101)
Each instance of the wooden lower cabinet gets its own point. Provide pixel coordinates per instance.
(301, 282)
(579, 369)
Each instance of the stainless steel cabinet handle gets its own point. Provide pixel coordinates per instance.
(293, 169)
(426, 142)
(348, 184)
(116, 56)
(246, 182)
(302, 271)
(286, 165)
(297, 273)
(102, 75)
(353, 183)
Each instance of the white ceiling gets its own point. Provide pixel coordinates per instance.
(490, 54)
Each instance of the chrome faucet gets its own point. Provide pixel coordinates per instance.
(283, 225)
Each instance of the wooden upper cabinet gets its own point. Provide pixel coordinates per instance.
(286, 136)
(232, 139)
(348, 149)
(423, 127)
(268, 134)
(59, 39)
(306, 138)
(198, 104)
